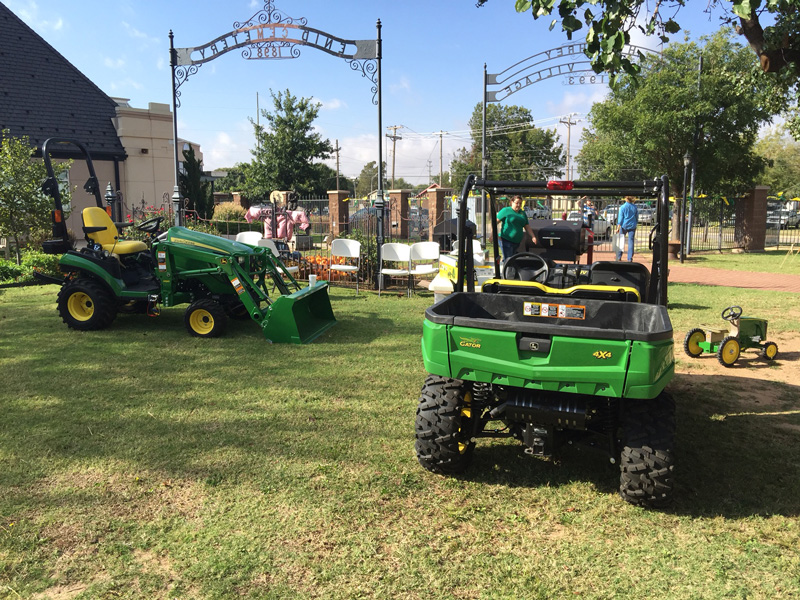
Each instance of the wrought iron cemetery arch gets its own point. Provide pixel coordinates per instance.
(571, 62)
(271, 35)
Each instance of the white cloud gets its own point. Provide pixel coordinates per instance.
(30, 13)
(113, 63)
(125, 85)
(140, 35)
(333, 104)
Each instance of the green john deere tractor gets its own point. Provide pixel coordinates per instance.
(218, 278)
(553, 352)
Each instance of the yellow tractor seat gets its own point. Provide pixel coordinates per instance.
(99, 228)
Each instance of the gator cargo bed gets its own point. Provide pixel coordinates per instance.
(551, 343)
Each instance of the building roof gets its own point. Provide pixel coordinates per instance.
(43, 95)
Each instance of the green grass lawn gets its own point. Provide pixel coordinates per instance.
(139, 462)
(770, 261)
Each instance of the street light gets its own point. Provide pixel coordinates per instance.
(110, 197)
(687, 161)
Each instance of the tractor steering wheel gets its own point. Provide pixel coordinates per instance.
(150, 225)
(731, 313)
(526, 266)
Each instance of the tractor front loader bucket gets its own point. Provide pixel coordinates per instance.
(300, 317)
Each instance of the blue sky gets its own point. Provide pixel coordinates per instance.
(433, 56)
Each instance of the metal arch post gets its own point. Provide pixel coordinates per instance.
(173, 63)
(483, 151)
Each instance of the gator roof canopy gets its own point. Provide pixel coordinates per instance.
(43, 95)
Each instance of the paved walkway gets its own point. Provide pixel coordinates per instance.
(683, 273)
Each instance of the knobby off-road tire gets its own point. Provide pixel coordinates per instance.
(86, 305)
(444, 426)
(770, 351)
(648, 455)
(205, 318)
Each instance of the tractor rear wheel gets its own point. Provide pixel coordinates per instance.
(691, 343)
(205, 318)
(648, 451)
(728, 352)
(86, 305)
(444, 425)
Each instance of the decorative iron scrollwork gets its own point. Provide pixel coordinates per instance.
(369, 69)
(269, 16)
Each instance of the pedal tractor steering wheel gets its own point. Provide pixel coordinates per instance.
(731, 313)
(150, 225)
(526, 266)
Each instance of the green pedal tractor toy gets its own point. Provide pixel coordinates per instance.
(554, 352)
(742, 333)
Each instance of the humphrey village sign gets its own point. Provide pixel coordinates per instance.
(271, 35)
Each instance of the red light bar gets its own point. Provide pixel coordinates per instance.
(559, 185)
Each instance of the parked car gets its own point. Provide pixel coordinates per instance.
(601, 228)
(783, 219)
(647, 215)
(538, 211)
(610, 213)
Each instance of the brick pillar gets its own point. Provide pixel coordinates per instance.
(338, 212)
(436, 213)
(398, 206)
(751, 219)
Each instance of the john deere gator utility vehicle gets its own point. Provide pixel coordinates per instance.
(218, 278)
(551, 351)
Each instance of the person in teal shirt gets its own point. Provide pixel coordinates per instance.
(512, 222)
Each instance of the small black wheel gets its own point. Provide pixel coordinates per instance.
(86, 304)
(444, 426)
(731, 313)
(691, 343)
(205, 318)
(728, 351)
(526, 266)
(770, 350)
(647, 460)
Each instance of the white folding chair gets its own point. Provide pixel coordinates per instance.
(349, 250)
(248, 237)
(423, 259)
(270, 244)
(395, 253)
(478, 255)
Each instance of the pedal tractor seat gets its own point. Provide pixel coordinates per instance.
(100, 229)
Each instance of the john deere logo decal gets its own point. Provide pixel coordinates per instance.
(602, 354)
(470, 342)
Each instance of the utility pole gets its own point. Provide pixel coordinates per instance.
(394, 137)
(336, 149)
(441, 174)
(430, 165)
(569, 123)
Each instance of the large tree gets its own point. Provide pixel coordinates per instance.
(24, 208)
(782, 154)
(194, 187)
(609, 22)
(515, 147)
(367, 180)
(646, 129)
(286, 148)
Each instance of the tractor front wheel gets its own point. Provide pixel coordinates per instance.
(444, 425)
(205, 318)
(86, 305)
(728, 352)
(770, 350)
(691, 343)
(648, 451)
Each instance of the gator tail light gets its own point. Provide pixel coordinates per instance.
(559, 186)
(58, 216)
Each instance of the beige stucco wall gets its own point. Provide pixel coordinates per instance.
(147, 175)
